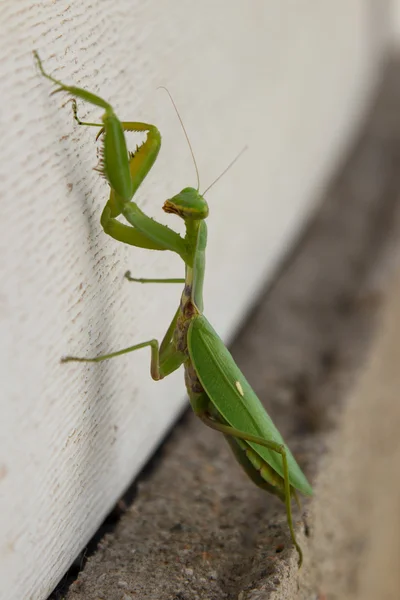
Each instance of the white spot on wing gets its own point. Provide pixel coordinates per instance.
(239, 388)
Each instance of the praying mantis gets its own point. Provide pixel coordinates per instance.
(218, 391)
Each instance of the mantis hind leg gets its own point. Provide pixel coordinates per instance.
(227, 430)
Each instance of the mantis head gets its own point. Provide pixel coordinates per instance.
(188, 204)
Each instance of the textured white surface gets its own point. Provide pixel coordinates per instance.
(288, 79)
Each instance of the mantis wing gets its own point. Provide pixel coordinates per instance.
(234, 399)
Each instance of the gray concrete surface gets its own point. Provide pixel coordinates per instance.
(197, 528)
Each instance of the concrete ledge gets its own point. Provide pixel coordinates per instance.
(197, 528)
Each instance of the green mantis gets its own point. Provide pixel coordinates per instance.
(219, 393)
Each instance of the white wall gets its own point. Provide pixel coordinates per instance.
(289, 79)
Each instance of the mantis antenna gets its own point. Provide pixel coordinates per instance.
(225, 170)
(161, 87)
